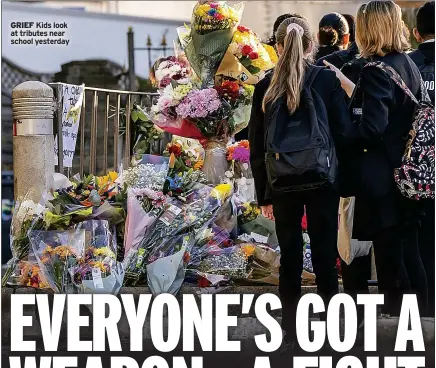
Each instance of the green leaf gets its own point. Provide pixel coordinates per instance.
(142, 116)
(245, 61)
(253, 69)
(134, 116)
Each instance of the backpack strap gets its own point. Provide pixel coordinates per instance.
(393, 74)
(309, 78)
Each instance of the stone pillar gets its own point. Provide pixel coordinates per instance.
(33, 141)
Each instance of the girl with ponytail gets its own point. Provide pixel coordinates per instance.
(285, 92)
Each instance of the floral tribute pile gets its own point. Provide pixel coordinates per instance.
(206, 90)
(188, 214)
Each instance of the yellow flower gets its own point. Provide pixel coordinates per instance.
(221, 191)
(198, 165)
(248, 250)
(105, 252)
(272, 53)
(261, 63)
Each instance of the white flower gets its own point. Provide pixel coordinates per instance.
(234, 48)
(175, 68)
(163, 65)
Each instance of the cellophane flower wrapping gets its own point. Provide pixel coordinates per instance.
(27, 215)
(254, 227)
(57, 252)
(30, 273)
(166, 263)
(220, 265)
(144, 207)
(209, 36)
(181, 216)
(98, 272)
(239, 173)
(215, 162)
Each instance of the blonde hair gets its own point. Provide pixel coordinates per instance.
(288, 76)
(380, 29)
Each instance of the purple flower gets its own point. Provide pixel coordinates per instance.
(199, 103)
(241, 154)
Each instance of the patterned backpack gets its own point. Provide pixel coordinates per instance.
(416, 176)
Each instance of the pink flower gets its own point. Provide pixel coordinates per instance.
(214, 5)
(165, 81)
(199, 103)
(241, 154)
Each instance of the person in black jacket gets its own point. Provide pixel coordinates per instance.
(333, 34)
(295, 45)
(243, 134)
(341, 57)
(424, 58)
(382, 214)
(355, 276)
(424, 33)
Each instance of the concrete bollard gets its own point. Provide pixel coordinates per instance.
(33, 141)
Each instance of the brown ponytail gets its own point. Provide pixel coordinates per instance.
(288, 76)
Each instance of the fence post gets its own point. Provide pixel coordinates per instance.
(33, 141)
(131, 57)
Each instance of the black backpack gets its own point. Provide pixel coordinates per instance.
(300, 153)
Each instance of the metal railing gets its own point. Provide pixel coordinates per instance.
(101, 145)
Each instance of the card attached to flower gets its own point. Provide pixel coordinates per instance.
(170, 214)
(259, 238)
(96, 278)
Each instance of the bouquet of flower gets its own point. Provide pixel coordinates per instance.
(91, 191)
(250, 52)
(144, 207)
(99, 271)
(240, 97)
(56, 253)
(167, 262)
(264, 265)
(248, 212)
(171, 69)
(30, 275)
(240, 172)
(146, 172)
(255, 227)
(186, 154)
(27, 216)
(209, 36)
(247, 59)
(191, 214)
(224, 264)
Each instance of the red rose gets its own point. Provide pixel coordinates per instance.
(219, 16)
(243, 29)
(176, 149)
(253, 55)
(246, 50)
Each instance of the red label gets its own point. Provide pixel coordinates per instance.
(15, 128)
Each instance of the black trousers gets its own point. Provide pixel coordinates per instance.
(322, 221)
(355, 278)
(426, 239)
(399, 267)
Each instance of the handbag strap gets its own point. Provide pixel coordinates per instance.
(393, 74)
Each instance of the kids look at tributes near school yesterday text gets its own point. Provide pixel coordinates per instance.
(167, 260)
